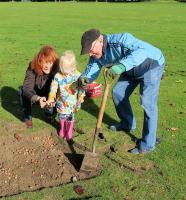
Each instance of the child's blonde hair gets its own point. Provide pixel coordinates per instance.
(67, 60)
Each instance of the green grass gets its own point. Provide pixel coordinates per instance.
(25, 27)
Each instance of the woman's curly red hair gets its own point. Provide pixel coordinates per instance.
(46, 54)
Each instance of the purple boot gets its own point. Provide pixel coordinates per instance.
(62, 129)
(69, 129)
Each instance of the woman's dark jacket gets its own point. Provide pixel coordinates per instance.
(35, 85)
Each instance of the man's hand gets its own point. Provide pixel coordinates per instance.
(42, 102)
(82, 82)
(115, 70)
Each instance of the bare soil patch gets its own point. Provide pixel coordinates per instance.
(33, 161)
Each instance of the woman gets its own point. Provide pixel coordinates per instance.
(37, 82)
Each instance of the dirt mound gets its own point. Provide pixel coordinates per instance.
(33, 161)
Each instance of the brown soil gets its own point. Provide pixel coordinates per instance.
(30, 161)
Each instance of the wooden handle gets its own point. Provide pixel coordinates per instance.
(102, 108)
(100, 116)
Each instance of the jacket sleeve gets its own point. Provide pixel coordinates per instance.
(134, 59)
(133, 50)
(53, 89)
(92, 70)
(29, 85)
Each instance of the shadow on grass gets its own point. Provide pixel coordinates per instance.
(10, 101)
(179, 72)
(90, 107)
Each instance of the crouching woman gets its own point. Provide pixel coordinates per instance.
(36, 85)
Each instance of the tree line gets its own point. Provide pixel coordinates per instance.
(81, 0)
(72, 0)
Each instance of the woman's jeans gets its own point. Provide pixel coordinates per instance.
(148, 76)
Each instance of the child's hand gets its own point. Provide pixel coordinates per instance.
(51, 103)
(82, 82)
(74, 85)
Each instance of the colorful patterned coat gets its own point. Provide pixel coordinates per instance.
(64, 92)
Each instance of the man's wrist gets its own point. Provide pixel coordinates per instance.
(118, 69)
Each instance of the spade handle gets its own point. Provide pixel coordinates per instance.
(102, 108)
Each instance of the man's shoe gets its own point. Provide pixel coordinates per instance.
(134, 151)
(138, 151)
(119, 128)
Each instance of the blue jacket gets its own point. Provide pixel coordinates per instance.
(125, 49)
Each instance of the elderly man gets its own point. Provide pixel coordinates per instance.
(137, 63)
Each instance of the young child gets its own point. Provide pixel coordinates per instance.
(65, 94)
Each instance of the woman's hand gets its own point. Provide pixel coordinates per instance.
(42, 102)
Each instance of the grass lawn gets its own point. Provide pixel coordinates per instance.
(25, 27)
